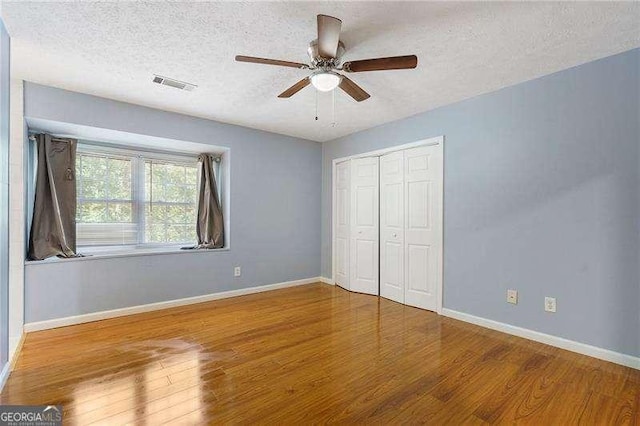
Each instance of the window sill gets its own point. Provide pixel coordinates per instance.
(98, 255)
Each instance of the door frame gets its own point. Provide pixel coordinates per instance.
(437, 141)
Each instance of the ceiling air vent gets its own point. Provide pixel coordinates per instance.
(165, 81)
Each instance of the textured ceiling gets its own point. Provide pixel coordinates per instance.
(464, 49)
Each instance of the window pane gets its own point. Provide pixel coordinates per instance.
(173, 193)
(120, 212)
(170, 202)
(159, 171)
(178, 233)
(92, 212)
(93, 167)
(93, 189)
(191, 176)
(176, 214)
(119, 179)
(156, 213)
(175, 174)
(191, 212)
(105, 214)
(155, 233)
(189, 195)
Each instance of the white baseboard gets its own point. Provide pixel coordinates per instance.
(11, 362)
(97, 316)
(4, 374)
(327, 280)
(15, 343)
(559, 342)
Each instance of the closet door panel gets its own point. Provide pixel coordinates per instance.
(364, 243)
(392, 226)
(422, 233)
(342, 217)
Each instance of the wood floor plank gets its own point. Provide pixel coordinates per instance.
(312, 354)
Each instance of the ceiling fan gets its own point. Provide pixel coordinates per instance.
(325, 53)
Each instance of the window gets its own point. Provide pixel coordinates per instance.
(170, 201)
(105, 214)
(129, 198)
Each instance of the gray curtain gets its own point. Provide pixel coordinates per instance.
(210, 225)
(53, 228)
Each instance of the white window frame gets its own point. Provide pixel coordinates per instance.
(138, 157)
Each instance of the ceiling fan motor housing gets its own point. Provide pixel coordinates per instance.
(320, 62)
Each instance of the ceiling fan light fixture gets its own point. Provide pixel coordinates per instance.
(326, 81)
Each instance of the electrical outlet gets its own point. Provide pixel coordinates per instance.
(550, 304)
(512, 296)
(237, 271)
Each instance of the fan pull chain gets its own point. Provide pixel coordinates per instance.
(333, 108)
(316, 104)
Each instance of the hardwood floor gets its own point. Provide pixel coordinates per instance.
(312, 354)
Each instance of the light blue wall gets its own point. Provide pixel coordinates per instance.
(275, 215)
(4, 193)
(541, 195)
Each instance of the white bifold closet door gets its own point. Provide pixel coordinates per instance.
(364, 225)
(422, 231)
(343, 235)
(410, 234)
(392, 226)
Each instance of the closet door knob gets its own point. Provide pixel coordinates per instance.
(395, 235)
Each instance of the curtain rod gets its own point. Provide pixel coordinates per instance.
(58, 138)
(216, 157)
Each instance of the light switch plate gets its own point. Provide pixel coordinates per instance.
(512, 296)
